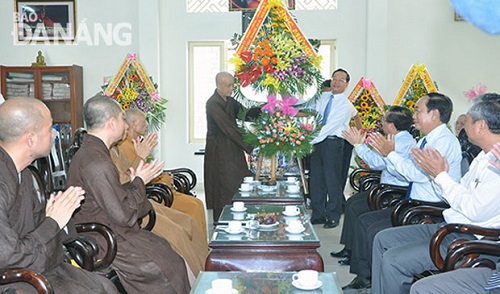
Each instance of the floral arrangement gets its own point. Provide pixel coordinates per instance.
(472, 93)
(414, 93)
(369, 104)
(131, 87)
(417, 84)
(275, 63)
(278, 129)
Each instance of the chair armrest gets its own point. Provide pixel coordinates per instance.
(437, 239)
(368, 181)
(151, 221)
(410, 212)
(15, 275)
(355, 175)
(384, 196)
(466, 254)
(184, 179)
(160, 193)
(111, 245)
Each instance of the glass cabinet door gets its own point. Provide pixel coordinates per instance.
(56, 94)
(20, 84)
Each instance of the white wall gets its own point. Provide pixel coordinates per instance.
(375, 39)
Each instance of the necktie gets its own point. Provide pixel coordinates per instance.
(493, 282)
(327, 110)
(408, 192)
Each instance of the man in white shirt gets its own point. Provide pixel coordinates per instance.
(328, 159)
(399, 253)
(432, 113)
(397, 121)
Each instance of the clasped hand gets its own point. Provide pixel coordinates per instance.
(147, 171)
(60, 207)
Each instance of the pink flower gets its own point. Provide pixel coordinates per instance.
(366, 83)
(472, 93)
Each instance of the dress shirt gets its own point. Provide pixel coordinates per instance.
(444, 141)
(403, 142)
(341, 113)
(475, 199)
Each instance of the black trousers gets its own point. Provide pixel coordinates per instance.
(327, 168)
(355, 206)
(367, 226)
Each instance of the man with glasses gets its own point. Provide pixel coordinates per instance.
(329, 161)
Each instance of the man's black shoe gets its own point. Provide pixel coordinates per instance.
(318, 221)
(330, 224)
(358, 283)
(341, 254)
(345, 261)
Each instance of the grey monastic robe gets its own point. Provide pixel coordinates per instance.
(29, 239)
(144, 262)
(225, 165)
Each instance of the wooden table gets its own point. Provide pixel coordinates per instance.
(265, 249)
(267, 194)
(262, 282)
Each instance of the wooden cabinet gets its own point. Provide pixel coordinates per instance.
(59, 87)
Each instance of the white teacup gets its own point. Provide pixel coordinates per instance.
(293, 188)
(245, 187)
(291, 179)
(292, 210)
(234, 226)
(295, 225)
(222, 286)
(239, 216)
(248, 179)
(238, 205)
(307, 278)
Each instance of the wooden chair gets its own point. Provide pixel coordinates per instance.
(384, 196)
(410, 212)
(184, 180)
(19, 275)
(363, 179)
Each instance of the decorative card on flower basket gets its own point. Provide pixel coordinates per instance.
(132, 87)
(370, 105)
(417, 83)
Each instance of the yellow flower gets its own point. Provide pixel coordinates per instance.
(316, 60)
(130, 94)
(365, 97)
(363, 104)
(368, 109)
(274, 3)
(270, 80)
(237, 61)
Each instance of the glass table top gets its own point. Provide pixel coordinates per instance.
(265, 282)
(281, 191)
(274, 230)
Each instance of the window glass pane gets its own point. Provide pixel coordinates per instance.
(205, 63)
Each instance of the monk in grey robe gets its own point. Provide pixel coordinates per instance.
(145, 262)
(225, 165)
(31, 231)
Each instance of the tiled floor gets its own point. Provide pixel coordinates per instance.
(329, 242)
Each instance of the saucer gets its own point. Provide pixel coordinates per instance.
(245, 190)
(295, 231)
(298, 285)
(241, 230)
(293, 192)
(238, 210)
(210, 291)
(264, 226)
(293, 214)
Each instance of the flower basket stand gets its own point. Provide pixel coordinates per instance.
(273, 171)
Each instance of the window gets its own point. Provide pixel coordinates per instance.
(206, 59)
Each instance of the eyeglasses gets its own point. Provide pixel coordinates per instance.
(339, 80)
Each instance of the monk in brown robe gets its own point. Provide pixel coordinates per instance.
(31, 232)
(137, 151)
(178, 228)
(225, 165)
(145, 262)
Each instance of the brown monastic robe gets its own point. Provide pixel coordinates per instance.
(144, 262)
(182, 202)
(178, 228)
(29, 239)
(225, 165)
